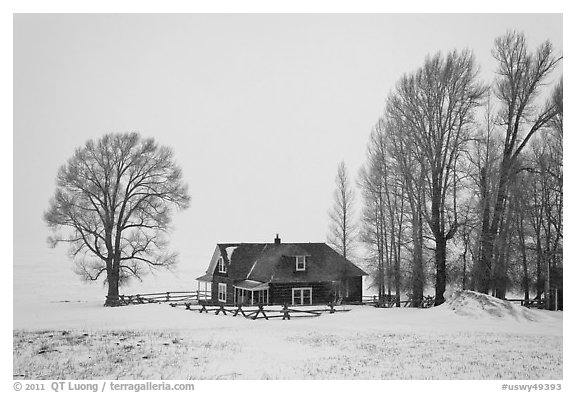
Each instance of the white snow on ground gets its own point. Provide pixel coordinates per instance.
(463, 311)
(464, 339)
(91, 315)
(480, 306)
(157, 341)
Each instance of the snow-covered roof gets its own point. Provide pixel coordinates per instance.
(252, 285)
(229, 251)
(207, 278)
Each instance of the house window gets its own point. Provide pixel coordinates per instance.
(222, 292)
(300, 263)
(301, 296)
(221, 265)
(263, 296)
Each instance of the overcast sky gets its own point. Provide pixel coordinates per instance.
(258, 108)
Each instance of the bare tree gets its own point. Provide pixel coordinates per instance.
(521, 207)
(410, 171)
(432, 111)
(114, 200)
(546, 211)
(343, 228)
(534, 208)
(483, 159)
(521, 75)
(374, 230)
(371, 235)
(385, 209)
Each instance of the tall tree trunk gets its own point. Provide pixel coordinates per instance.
(380, 260)
(417, 260)
(547, 261)
(500, 255)
(494, 235)
(484, 261)
(397, 276)
(539, 275)
(466, 239)
(503, 255)
(113, 273)
(547, 294)
(440, 239)
(440, 255)
(387, 254)
(525, 277)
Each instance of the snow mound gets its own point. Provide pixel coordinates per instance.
(478, 305)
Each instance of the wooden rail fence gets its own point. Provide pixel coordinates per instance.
(428, 301)
(260, 311)
(199, 300)
(164, 297)
(184, 297)
(530, 303)
(393, 301)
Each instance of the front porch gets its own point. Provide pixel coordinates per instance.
(249, 292)
(205, 287)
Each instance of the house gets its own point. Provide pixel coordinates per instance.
(281, 273)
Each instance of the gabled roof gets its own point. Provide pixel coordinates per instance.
(322, 264)
(243, 259)
(270, 262)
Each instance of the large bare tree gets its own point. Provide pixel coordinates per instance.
(113, 205)
(432, 110)
(521, 77)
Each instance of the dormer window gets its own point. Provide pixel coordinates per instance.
(221, 265)
(300, 263)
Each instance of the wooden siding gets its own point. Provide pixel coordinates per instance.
(322, 292)
(218, 279)
(354, 289)
(282, 293)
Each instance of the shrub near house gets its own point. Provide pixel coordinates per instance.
(281, 273)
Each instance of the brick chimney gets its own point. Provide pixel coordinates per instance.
(277, 240)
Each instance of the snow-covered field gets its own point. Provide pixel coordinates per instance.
(469, 337)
